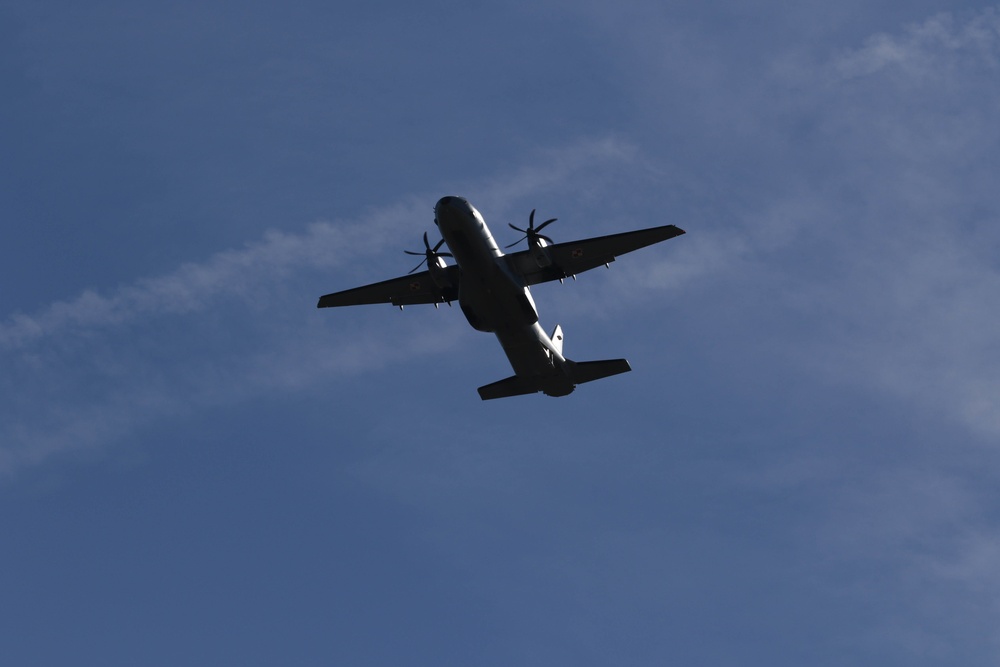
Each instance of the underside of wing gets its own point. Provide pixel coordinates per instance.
(568, 259)
(403, 291)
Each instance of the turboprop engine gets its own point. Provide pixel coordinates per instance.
(435, 262)
(537, 242)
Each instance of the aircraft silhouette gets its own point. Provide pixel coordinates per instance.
(493, 290)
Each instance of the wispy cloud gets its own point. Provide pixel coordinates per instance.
(931, 535)
(901, 299)
(878, 233)
(940, 43)
(911, 306)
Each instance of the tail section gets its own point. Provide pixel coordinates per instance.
(551, 373)
(557, 381)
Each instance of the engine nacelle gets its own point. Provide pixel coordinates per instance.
(439, 272)
(536, 246)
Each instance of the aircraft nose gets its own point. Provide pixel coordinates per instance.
(446, 207)
(449, 202)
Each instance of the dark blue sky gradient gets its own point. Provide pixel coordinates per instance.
(199, 467)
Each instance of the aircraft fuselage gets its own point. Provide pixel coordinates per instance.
(494, 299)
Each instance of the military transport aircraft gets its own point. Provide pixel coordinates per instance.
(492, 289)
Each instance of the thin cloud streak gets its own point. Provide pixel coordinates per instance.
(194, 287)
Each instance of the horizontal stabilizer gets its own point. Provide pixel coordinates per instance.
(588, 371)
(512, 386)
(574, 373)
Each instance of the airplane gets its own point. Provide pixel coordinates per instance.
(493, 291)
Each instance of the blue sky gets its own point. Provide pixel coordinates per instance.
(199, 467)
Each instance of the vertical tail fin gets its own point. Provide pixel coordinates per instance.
(557, 339)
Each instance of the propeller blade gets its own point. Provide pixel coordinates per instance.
(545, 224)
(532, 232)
(428, 253)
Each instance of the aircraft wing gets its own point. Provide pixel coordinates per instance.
(573, 257)
(406, 290)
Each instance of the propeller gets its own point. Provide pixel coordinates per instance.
(429, 253)
(532, 232)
